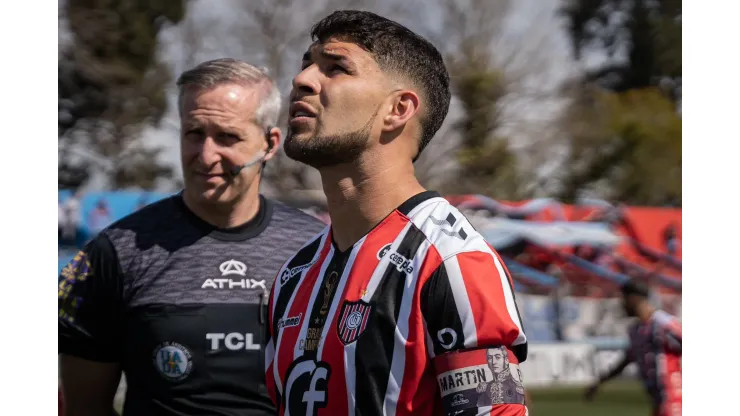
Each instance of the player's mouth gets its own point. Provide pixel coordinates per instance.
(301, 113)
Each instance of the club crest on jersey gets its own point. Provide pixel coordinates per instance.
(353, 320)
(402, 263)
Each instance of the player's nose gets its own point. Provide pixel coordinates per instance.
(306, 82)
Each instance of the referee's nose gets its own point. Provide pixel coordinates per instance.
(209, 152)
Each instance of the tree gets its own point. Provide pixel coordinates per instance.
(492, 73)
(623, 127)
(640, 39)
(623, 146)
(111, 86)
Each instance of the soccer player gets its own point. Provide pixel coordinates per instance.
(391, 309)
(655, 345)
(175, 294)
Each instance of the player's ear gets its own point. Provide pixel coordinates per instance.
(404, 104)
(273, 137)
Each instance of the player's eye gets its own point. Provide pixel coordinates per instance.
(337, 68)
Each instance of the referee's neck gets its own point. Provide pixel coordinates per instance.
(226, 215)
(361, 195)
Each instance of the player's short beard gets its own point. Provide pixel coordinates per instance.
(329, 150)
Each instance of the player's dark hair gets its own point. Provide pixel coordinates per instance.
(632, 287)
(395, 49)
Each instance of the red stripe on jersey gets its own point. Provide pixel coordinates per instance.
(299, 306)
(672, 384)
(461, 359)
(366, 260)
(418, 374)
(486, 293)
(508, 410)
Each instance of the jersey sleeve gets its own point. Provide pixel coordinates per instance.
(90, 304)
(474, 335)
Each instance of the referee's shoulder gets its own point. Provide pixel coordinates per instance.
(146, 219)
(288, 216)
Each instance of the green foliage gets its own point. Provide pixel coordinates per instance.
(624, 137)
(625, 147)
(487, 165)
(647, 33)
(112, 86)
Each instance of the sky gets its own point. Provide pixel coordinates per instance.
(531, 22)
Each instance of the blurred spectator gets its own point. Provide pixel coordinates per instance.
(670, 239)
(71, 219)
(100, 217)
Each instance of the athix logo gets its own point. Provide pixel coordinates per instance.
(233, 267)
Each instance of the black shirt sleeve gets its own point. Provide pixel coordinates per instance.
(90, 303)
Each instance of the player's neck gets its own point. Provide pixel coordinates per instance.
(226, 215)
(363, 194)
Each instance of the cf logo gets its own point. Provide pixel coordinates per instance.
(306, 387)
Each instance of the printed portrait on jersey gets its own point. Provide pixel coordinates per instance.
(479, 378)
(506, 380)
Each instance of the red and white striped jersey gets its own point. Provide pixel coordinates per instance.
(418, 317)
(655, 346)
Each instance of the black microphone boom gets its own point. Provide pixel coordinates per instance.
(236, 169)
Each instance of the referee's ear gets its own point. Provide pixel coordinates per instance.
(273, 135)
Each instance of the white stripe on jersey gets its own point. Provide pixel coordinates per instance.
(297, 351)
(464, 310)
(380, 269)
(301, 278)
(425, 204)
(398, 364)
(338, 295)
(446, 244)
(269, 353)
(509, 296)
(350, 377)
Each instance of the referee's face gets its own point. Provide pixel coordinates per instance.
(217, 134)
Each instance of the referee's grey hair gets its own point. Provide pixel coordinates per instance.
(210, 74)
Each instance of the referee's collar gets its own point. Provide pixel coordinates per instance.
(249, 229)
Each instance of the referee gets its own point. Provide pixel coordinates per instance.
(175, 294)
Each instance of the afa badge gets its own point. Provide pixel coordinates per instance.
(173, 360)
